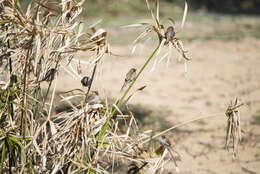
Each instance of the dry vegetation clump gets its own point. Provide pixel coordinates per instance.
(233, 126)
(35, 45)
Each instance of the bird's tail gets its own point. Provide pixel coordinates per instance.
(167, 41)
(124, 85)
(173, 159)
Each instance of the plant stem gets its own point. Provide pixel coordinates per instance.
(182, 124)
(24, 110)
(92, 76)
(104, 127)
(10, 98)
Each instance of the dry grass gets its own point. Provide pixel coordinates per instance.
(233, 125)
(35, 45)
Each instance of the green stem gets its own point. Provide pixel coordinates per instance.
(104, 127)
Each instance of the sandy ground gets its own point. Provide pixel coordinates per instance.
(219, 72)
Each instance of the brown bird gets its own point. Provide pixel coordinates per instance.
(86, 81)
(93, 98)
(167, 144)
(164, 141)
(49, 76)
(129, 77)
(169, 34)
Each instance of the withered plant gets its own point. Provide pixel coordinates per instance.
(233, 126)
(35, 44)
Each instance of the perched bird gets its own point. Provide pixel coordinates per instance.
(167, 144)
(129, 77)
(49, 76)
(132, 169)
(26, 43)
(164, 141)
(169, 34)
(86, 81)
(93, 98)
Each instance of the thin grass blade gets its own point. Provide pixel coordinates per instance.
(184, 14)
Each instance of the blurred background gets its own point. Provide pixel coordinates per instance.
(207, 19)
(220, 6)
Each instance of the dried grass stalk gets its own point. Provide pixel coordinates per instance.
(233, 131)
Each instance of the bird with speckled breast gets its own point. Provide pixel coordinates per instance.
(129, 77)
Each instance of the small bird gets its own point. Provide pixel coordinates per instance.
(86, 81)
(164, 141)
(129, 77)
(167, 144)
(132, 169)
(169, 34)
(49, 76)
(93, 98)
(26, 43)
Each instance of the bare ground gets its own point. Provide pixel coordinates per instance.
(219, 72)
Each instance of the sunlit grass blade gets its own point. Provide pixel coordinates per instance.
(135, 25)
(171, 21)
(184, 13)
(157, 9)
